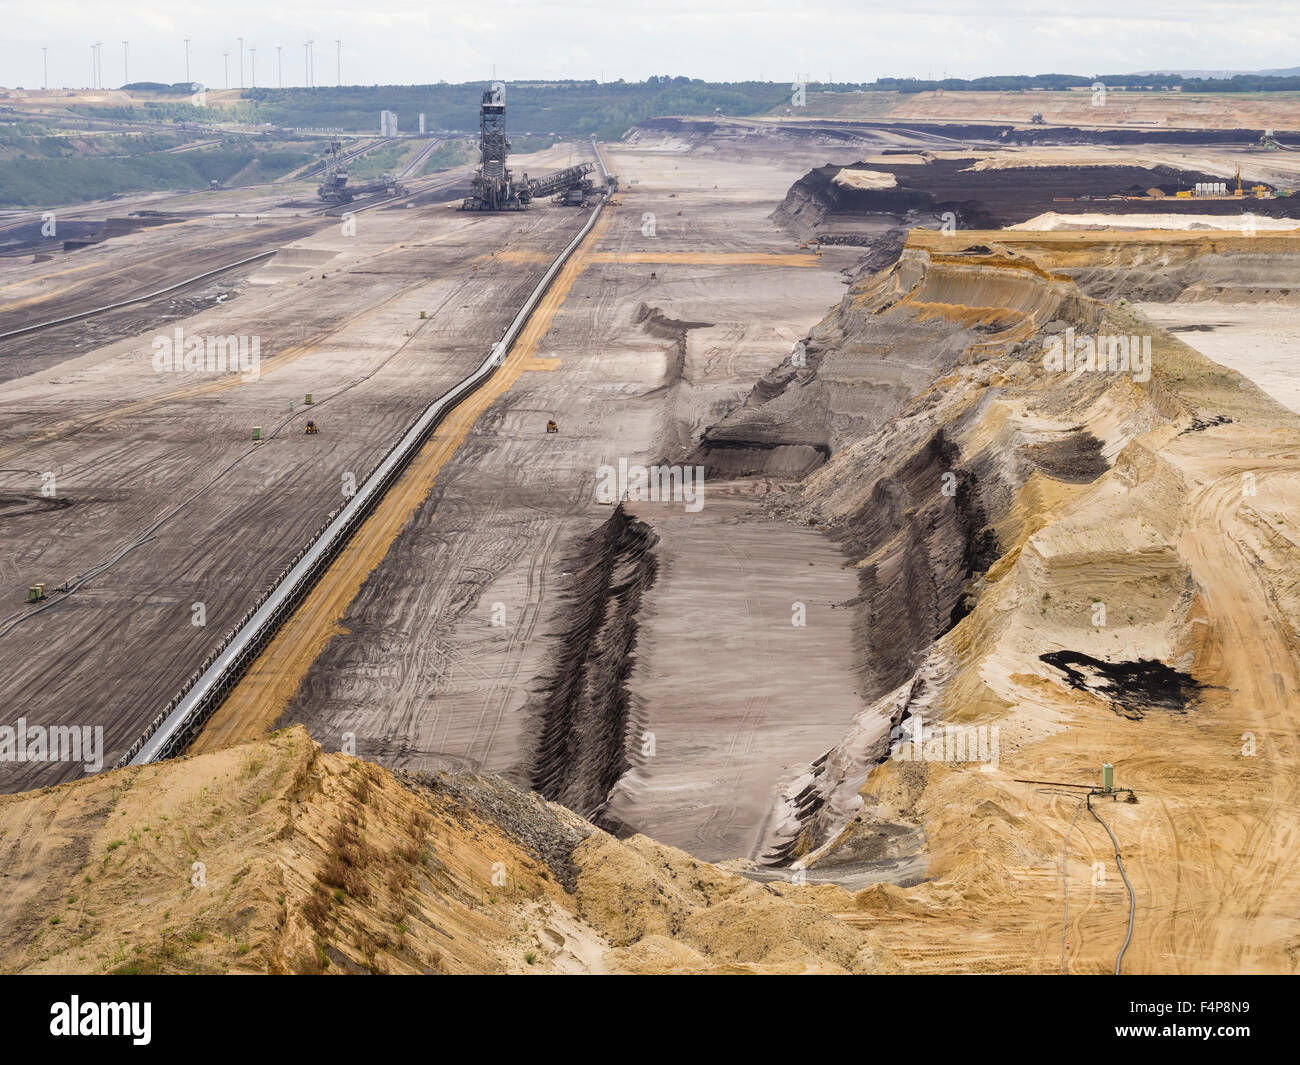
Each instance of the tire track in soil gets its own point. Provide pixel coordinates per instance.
(718, 824)
(72, 426)
(538, 566)
(279, 671)
(1222, 920)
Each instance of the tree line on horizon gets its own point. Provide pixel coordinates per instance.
(609, 109)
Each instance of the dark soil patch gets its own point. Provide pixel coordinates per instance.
(1132, 688)
(15, 504)
(1075, 459)
(990, 199)
(582, 715)
(1200, 424)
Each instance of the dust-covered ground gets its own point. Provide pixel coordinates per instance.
(1260, 341)
(274, 857)
(926, 567)
(509, 655)
(141, 487)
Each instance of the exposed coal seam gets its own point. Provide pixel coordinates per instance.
(980, 548)
(1199, 424)
(915, 592)
(581, 716)
(1074, 459)
(1131, 688)
(983, 199)
(737, 444)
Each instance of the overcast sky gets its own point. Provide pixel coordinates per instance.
(421, 41)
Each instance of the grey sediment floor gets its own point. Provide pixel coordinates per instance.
(744, 673)
(424, 678)
(127, 444)
(1260, 339)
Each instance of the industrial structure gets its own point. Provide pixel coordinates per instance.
(571, 186)
(1269, 141)
(334, 187)
(493, 187)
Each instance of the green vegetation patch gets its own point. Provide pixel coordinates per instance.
(44, 182)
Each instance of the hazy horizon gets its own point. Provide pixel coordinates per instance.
(399, 42)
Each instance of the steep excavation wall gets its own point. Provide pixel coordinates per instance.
(939, 494)
(894, 334)
(936, 190)
(929, 435)
(917, 517)
(1229, 267)
(582, 716)
(676, 411)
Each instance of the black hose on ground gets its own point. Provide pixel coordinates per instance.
(1065, 858)
(1132, 901)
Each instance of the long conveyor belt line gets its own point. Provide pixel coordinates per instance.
(177, 725)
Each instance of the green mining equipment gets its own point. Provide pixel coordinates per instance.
(1108, 786)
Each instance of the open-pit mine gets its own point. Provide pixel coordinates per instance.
(795, 543)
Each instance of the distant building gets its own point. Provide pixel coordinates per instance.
(388, 123)
(422, 122)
